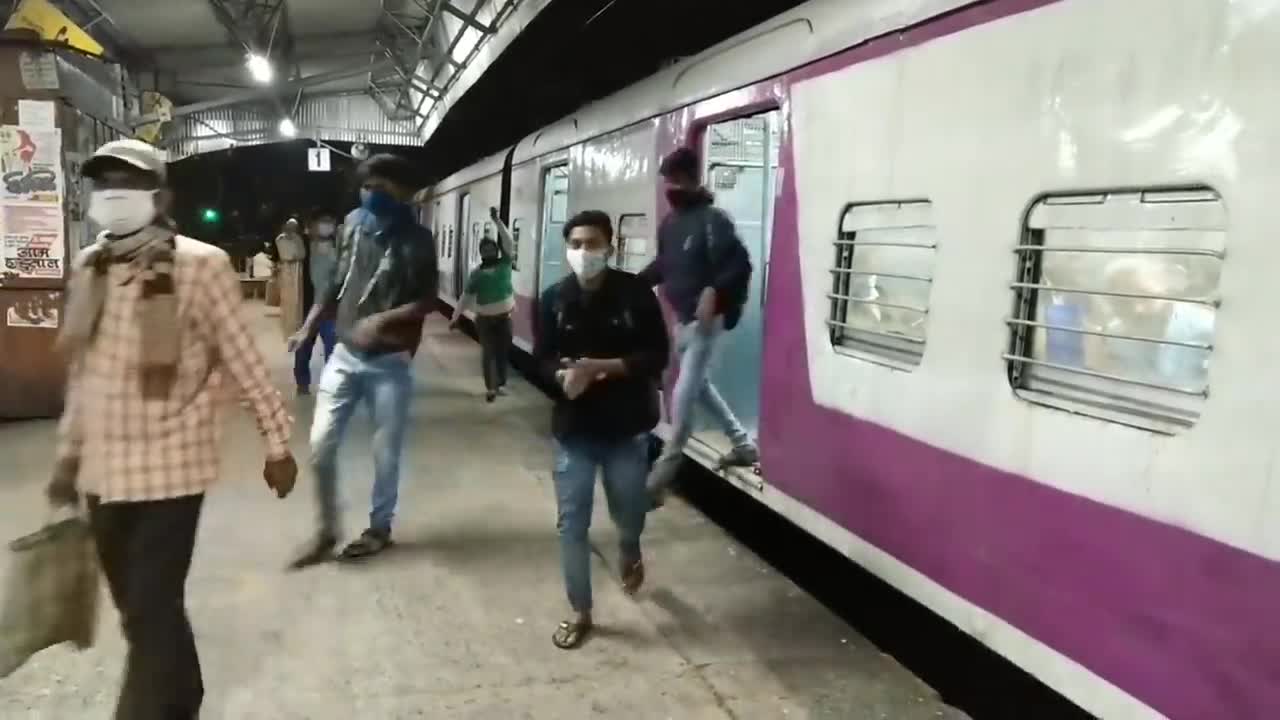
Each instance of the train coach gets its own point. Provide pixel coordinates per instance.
(1010, 257)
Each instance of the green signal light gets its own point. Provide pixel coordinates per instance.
(211, 215)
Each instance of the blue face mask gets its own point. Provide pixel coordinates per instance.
(378, 202)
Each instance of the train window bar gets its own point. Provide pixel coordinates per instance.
(1117, 336)
(1097, 275)
(871, 273)
(881, 282)
(877, 303)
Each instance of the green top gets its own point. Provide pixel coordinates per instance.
(491, 285)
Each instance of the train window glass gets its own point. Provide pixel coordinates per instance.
(633, 241)
(1115, 303)
(881, 281)
(516, 224)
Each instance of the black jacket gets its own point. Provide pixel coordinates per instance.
(698, 248)
(620, 320)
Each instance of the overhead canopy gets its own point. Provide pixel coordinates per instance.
(372, 70)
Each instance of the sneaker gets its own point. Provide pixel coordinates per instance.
(741, 456)
(490, 396)
(316, 551)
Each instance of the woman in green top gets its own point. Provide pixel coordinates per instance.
(490, 292)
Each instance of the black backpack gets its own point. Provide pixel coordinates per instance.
(737, 296)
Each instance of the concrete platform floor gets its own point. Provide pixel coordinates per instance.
(456, 621)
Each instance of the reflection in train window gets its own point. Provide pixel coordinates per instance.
(633, 242)
(881, 281)
(1115, 304)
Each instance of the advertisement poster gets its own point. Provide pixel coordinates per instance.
(30, 165)
(33, 244)
(32, 316)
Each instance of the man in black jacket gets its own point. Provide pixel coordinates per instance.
(705, 273)
(601, 337)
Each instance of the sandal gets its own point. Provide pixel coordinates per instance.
(370, 543)
(633, 577)
(571, 634)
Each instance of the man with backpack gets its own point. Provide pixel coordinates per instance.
(705, 273)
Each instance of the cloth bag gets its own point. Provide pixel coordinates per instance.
(51, 594)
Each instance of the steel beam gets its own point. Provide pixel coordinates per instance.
(239, 98)
(468, 18)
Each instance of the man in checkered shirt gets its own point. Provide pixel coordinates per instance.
(153, 322)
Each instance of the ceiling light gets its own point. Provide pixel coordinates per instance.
(287, 128)
(259, 68)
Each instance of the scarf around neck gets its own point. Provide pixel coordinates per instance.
(149, 253)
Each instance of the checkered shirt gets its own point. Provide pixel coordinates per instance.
(132, 449)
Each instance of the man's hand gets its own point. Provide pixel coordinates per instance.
(592, 368)
(296, 340)
(281, 475)
(62, 486)
(366, 332)
(706, 312)
(576, 382)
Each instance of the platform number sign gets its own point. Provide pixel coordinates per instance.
(318, 159)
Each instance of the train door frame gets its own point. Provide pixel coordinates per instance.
(462, 247)
(544, 218)
(698, 137)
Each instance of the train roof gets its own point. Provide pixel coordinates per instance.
(807, 33)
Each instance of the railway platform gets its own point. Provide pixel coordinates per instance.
(455, 621)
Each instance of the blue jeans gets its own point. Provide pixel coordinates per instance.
(385, 384)
(302, 357)
(624, 464)
(697, 354)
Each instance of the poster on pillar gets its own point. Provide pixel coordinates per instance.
(33, 245)
(31, 165)
(32, 227)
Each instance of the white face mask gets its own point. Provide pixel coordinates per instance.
(586, 264)
(325, 229)
(122, 212)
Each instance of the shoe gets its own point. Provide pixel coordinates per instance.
(303, 391)
(318, 550)
(490, 396)
(741, 456)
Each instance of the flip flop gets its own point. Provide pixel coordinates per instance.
(571, 634)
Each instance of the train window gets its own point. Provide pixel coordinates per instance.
(881, 281)
(633, 241)
(1115, 303)
(516, 224)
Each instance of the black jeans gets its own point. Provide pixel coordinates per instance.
(145, 549)
(494, 332)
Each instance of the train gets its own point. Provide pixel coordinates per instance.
(1006, 345)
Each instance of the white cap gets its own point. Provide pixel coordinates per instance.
(133, 152)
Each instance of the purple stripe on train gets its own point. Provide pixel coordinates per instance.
(1184, 623)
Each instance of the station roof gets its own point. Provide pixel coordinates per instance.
(402, 55)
